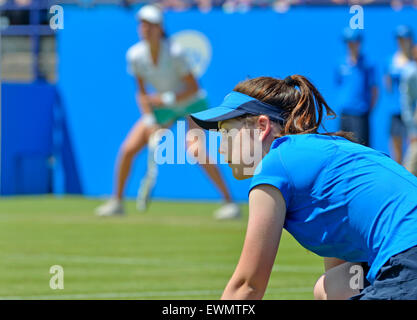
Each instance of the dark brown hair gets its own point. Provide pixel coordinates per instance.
(302, 103)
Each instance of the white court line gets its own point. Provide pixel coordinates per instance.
(87, 259)
(160, 262)
(119, 295)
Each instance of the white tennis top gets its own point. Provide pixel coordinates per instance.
(167, 74)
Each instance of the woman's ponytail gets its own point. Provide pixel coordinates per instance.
(303, 105)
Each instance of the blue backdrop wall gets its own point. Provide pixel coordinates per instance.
(26, 138)
(98, 94)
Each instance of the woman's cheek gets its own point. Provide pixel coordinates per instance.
(237, 150)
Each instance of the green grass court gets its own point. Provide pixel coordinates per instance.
(174, 251)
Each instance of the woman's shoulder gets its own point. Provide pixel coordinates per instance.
(295, 161)
(175, 49)
(309, 141)
(308, 150)
(299, 148)
(137, 51)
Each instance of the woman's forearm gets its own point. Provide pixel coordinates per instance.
(241, 291)
(186, 94)
(190, 88)
(143, 104)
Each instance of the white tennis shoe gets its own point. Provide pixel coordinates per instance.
(228, 211)
(112, 207)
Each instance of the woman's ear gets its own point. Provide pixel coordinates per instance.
(263, 124)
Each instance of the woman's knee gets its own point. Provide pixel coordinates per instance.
(318, 290)
(335, 283)
(133, 145)
(128, 150)
(135, 141)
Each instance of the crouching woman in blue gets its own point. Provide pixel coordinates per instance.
(343, 201)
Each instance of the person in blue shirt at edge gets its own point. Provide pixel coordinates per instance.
(401, 57)
(357, 89)
(408, 93)
(341, 200)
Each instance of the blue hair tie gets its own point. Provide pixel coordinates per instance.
(289, 81)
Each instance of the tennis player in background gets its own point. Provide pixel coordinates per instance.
(399, 60)
(408, 92)
(341, 200)
(157, 62)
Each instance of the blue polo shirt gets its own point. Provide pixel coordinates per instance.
(355, 81)
(343, 199)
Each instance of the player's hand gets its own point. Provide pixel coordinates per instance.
(150, 100)
(155, 100)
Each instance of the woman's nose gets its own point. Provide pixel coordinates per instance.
(224, 151)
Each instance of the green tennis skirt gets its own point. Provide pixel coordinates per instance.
(165, 116)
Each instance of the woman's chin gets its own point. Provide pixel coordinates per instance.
(238, 173)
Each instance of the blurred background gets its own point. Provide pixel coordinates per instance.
(68, 101)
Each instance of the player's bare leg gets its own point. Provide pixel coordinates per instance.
(136, 139)
(338, 283)
(149, 179)
(229, 210)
